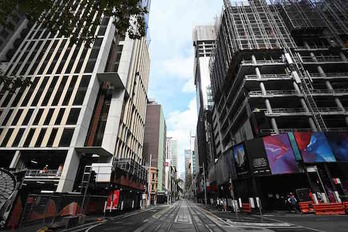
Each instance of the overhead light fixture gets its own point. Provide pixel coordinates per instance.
(40, 182)
(95, 156)
(33, 161)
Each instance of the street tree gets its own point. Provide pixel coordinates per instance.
(77, 20)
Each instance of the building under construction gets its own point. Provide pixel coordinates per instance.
(280, 67)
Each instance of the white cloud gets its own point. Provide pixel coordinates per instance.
(189, 87)
(181, 67)
(183, 124)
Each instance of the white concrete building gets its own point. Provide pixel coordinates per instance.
(86, 106)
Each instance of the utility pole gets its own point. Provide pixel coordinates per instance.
(148, 183)
(205, 185)
(233, 197)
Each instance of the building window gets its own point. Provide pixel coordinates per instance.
(52, 137)
(49, 91)
(59, 91)
(73, 116)
(7, 117)
(60, 116)
(29, 137)
(40, 137)
(16, 118)
(18, 137)
(7, 137)
(66, 137)
(27, 117)
(38, 117)
(49, 117)
(70, 90)
(81, 92)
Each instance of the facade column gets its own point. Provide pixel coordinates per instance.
(306, 45)
(264, 93)
(274, 125)
(313, 57)
(331, 89)
(312, 124)
(15, 160)
(71, 165)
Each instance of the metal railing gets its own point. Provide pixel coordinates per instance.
(268, 76)
(35, 173)
(338, 74)
(273, 92)
(273, 61)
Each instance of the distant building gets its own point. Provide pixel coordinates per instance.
(155, 143)
(172, 151)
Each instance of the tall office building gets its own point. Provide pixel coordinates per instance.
(204, 43)
(289, 86)
(280, 69)
(155, 143)
(172, 151)
(86, 106)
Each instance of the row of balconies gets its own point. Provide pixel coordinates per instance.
(285, 93)
(302, 112)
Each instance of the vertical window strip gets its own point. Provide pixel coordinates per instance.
(17, 140)
(29, 62)
(38, 57)
(30, 91)
(68, 91)
(54, 60)
(16, 118)
(39, 91)
(29, 137)
(7, 137)
(48, 57)
(6, 119)
(40, 137)
(49, 91)
(27, 117)
(59, 92)
(52, 137)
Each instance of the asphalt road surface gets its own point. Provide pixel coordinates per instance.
(185, 216)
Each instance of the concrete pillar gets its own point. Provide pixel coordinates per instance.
(71, 165)
(304, 105)
(274, 125)
(269, 107)
(297, 89)
(339, 104)
(253, 58)
(313, 57)
(329, 86)
(321, 71)
(343, 56)
(263, 88)
(15, 159)
(312, 124)
(306, 45)
(258, 73)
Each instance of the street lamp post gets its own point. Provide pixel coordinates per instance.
(205, 185)
(148, 183)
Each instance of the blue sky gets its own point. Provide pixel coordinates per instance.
(171, 51)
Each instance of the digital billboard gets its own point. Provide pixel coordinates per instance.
(258, 159)
(280, 155)
(240, 160)
(314, 147)
(339, 145)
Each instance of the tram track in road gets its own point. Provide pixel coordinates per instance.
(162, 219)
(171, 222)
(192, 210)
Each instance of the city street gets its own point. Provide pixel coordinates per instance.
(187, 216)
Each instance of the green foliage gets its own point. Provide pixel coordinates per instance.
(77, 20)
(85, 15)
(12, 83)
